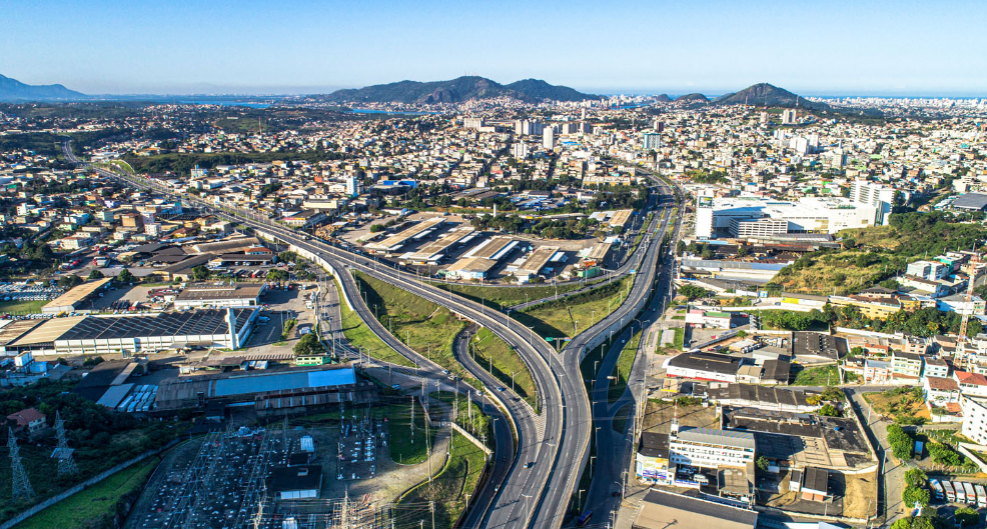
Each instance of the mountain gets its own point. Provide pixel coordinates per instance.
(539, 90)
(663, 98)
(14, 90)
(764, 94)
(697, 97)
(456, 91)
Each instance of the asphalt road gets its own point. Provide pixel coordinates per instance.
(616, 449)
(542, 477)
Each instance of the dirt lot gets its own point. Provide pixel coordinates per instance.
(895, 405)
(861, 494)
(658, 416)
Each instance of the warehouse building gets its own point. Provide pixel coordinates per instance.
(477, 263)
(767, 398)
(535, 263)
(130, 334)
(664, 510)
(396, 241)
(435, 251)
(235, 295)
(234, 245)
(495, 248)
(470, 268)
(703, 366)
(266, 392)
(75, 299)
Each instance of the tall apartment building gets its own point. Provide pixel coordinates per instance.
(974, 418)
(548, 138)
(650, 140)
(789, 116)
(473, 123)
(352, 186)
(710, 448)
(519, 150)
(876, 195)
(528, 127)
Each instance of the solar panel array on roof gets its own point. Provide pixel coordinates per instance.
(199, 322)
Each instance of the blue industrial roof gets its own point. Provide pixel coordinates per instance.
(284, 381)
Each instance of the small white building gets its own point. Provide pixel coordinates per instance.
(711, 448)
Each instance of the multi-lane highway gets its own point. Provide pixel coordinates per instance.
(552, 446)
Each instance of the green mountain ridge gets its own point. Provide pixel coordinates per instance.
(764, 94)
(697, 97)
(12, 90)
(456, 91)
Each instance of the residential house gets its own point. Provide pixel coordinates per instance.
(27, 420)
(877, 371)
(934, 367)
(973, 384)
(906, 364)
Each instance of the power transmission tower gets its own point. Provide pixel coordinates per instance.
(21, 486)
(66, 463)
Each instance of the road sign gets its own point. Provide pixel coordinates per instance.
(548, 339)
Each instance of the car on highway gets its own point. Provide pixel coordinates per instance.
(502, 389)
(529, 464)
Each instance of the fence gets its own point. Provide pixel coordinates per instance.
(35, 509)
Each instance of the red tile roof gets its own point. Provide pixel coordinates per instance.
(25, 417)
(943, 384)
(974, 379)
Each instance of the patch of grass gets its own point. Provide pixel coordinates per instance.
(358, 334)
(480, 425)
(622, 370)
(570, 316)
(500, 359)
(500, 298)
(678, 317)
(449, 489)
(905, 405)
(97, 503)
(679, 342)
(425, 327)
(22, 307)
(818, 376)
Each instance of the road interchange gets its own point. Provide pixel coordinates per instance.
(552, 447)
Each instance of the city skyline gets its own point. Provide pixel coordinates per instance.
(103, 47)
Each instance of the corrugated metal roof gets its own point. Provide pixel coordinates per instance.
(114, 396)
(283, 381)
(718, 437)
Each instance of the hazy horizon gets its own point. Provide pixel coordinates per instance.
(902, 48)
(209, 90)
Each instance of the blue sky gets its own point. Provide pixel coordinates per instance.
(832, 47)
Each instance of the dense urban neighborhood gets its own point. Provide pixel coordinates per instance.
(467, 304)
